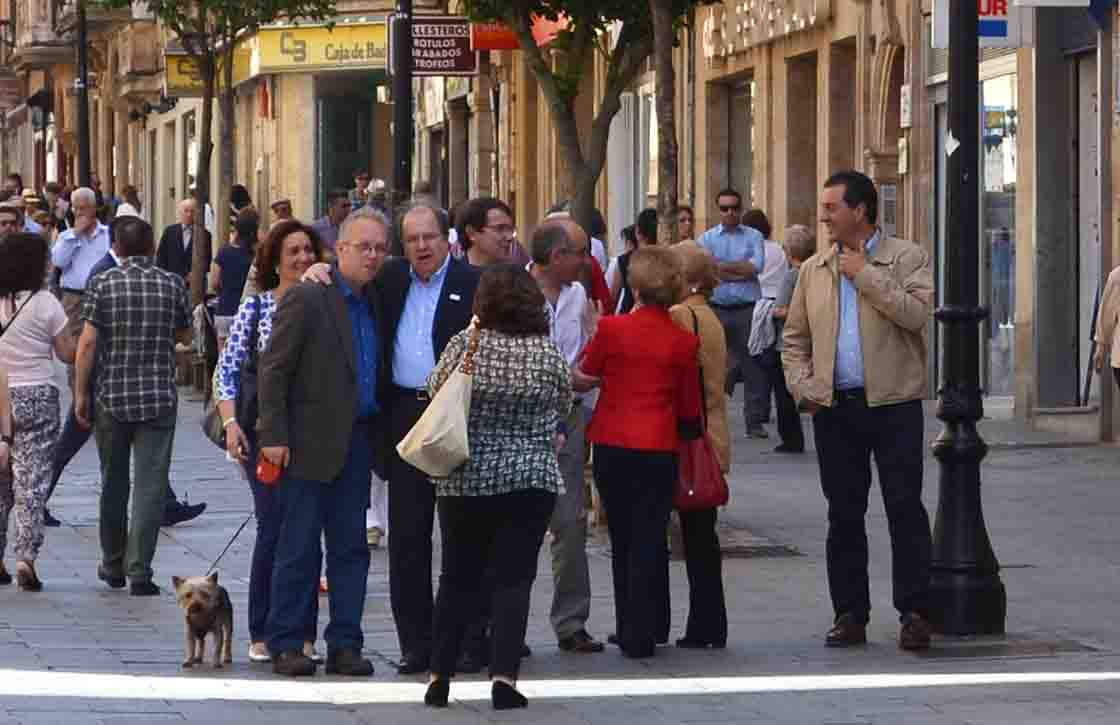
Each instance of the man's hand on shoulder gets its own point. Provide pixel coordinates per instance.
(319, 273)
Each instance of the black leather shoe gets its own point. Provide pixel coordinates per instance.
(436, 696)
(783, 448)
(505, 697)
(143, 589)
(50, 520)
(612, 638)
(293, 663)
(115, 581)
(5, 577)
(525, 651)
(687, 642)
(915, 632)
(847, 632)
(348, 662)
(178, 513)
(582, 642)
(412, 665)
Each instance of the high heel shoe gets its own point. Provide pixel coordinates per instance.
(505, 697)
(436, 696)
(27, 578)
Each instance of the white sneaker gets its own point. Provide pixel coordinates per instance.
(259, 655)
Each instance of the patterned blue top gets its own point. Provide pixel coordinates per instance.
(742, 244)
(236, 351)
(849, 348)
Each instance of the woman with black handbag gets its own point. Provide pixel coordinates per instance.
(707, 610)
(291, 248)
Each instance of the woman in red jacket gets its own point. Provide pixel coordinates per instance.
(646, 367)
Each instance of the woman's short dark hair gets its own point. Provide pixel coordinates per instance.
(655, 276)
(509, 300)
(23, 262)
(239, 197)
(248, 227)
(756, 219)
(269, 252)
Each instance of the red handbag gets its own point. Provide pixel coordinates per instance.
(700, 482)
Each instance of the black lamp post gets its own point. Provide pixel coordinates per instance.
(81, 85)
(967, 595)
(402, 100)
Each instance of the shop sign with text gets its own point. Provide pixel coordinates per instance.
(441, 46)
(295, 49)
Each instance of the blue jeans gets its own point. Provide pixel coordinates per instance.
(309, 509)
(266, 509)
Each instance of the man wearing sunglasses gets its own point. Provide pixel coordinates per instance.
(740, 255)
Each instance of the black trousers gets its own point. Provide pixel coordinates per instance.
(789, 419)
(490, 549)
(637, 491)
(707, 609)
(847, 435)
(412, 505)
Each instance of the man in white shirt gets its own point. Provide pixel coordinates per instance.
(75, 253)
(559, 250)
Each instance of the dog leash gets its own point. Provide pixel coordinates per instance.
(233, 539)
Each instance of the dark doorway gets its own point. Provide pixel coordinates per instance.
(345, 138)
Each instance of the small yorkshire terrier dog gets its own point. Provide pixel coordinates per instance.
(208, 611)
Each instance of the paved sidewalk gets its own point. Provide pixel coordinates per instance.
(80, 653)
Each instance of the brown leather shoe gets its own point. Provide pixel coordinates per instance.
(847, 632)
(581, 641)
(915, 632)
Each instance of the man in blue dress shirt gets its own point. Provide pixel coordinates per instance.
(740, 254)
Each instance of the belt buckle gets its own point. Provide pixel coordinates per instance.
(422, 395)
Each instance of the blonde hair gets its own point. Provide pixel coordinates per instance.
(655, 276)
(800, 244)
(698, 269)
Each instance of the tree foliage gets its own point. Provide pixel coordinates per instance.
(621, 31)
(209, 31)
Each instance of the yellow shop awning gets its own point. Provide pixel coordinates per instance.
(317, 48)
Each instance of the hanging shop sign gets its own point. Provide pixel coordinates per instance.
(441, 46)
(182, 78)
(1001, 24)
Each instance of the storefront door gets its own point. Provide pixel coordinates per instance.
(345, 138)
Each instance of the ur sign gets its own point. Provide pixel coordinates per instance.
(1002, 24)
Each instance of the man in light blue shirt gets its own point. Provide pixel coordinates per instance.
(740, 254)
(76, 252)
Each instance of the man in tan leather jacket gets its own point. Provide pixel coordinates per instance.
(855, 358)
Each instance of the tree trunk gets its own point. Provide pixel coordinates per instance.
(226, 148)
(663, 40)
(201, 254)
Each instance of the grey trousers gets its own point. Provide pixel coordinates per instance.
(571, 598)
(128, 546)
(741, 367)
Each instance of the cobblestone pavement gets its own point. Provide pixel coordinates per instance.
(80, 653)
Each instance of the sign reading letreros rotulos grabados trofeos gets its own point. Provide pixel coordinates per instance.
(441, 46)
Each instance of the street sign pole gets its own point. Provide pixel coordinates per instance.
(81, 85)
(403, 126)
(967, 596)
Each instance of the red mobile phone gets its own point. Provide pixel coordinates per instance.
(268, 472)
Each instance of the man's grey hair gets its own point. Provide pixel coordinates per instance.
(83, 194)
(421, 202)
(548, 237)
(362, 212)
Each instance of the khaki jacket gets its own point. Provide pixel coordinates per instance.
(713, 359)
(895, 303)
(1107, 334)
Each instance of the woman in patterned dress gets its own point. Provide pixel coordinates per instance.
(33, 324)
(495, 508)
(281, 260)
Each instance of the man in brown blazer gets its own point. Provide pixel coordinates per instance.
(319, 420)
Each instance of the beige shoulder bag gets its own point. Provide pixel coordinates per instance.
(438, 444)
